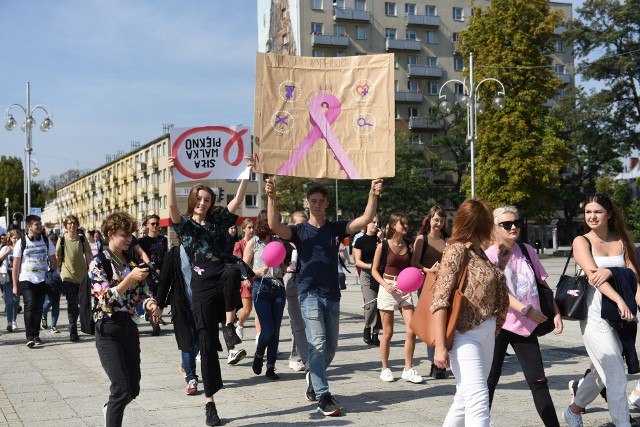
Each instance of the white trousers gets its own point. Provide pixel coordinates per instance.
(607, 365)
(471, 357)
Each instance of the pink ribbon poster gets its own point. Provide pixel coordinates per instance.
(210, 152)
(325, 117)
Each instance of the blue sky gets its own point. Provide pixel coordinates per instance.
(113, 71)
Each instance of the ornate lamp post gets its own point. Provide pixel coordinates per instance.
(27, 126)
(474, 106)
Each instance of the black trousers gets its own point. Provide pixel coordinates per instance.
(71, 293)
(118, 344)
(212, 285)
(33, 295)
(527, 350)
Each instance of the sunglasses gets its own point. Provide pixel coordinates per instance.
(153, 224)
(507, 225)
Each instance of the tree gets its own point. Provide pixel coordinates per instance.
(519, 155)
(12, 183)
(612, 27)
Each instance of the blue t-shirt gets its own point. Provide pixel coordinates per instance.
(318, 257)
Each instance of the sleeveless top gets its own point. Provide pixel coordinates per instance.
(258, 261)
(594, 298)
(431, 250)
(396, 263)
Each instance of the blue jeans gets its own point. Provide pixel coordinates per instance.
(269, 300)
(51, 301)
(322, 320)
(10, 302)
(189, 359)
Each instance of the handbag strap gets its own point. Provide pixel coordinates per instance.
(566, 264)
(463, 272)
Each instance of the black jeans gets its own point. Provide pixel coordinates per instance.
(528, 351)
(118, 344)
(71, 293)
(34, 295)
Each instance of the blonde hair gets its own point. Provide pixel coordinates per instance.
(503, 210)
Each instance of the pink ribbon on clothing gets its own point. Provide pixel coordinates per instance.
(321, 129)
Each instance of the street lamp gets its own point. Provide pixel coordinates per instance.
(27, 126)
(35, 171)
(474, 106)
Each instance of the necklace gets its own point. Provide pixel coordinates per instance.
(117, 261)
(606, 238)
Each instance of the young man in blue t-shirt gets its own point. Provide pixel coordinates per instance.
(318, 288)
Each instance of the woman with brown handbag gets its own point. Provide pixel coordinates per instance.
(483, 312)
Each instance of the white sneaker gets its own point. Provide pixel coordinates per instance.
(386, 375)
(54, 330)
(235, 356)
(296, 365)
(634, 400)
(240, 331)
(572, 420)
(412, 376)
(104, 412)
(257, 336)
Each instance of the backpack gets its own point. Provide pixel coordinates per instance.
(82, 240)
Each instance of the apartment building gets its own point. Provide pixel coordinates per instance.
(135, 182)
(422, 34)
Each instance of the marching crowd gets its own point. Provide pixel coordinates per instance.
(213, 279)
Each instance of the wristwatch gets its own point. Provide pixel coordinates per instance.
(525, 310)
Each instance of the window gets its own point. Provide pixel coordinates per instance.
(339, 4)
(559, 46)
(390, 33)
(317, 53)
(409, 9)
(316, 4)
(458, 89)
(430, 10)
(341, 54)
(411, 35)
(413, 112)
(560, 94)
(412, 60)
(433, 88)
(413, 87)
(432, 37)
(397, 113)
(361, 33)
(559, 69)
(316, 28)
(433, 111)
(230, 198)
(432, 61)
(339, 30)
(457, 64)
(390, 9)
(253, 176)
(361, 5)
(395, 85)
(455, 37)
(458, 14)
(251, 200)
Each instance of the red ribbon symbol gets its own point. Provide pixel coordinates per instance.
(321, 123)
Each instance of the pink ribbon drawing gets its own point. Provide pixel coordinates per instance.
(321, 123)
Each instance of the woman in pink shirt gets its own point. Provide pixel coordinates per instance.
(524, 313)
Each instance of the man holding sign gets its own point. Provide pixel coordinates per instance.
(318, 289)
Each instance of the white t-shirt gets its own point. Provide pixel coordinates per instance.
(35, 263)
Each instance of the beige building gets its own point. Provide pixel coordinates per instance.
(422, 34)
(135, 182)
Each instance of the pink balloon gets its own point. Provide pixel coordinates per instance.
(410, 279)
(273, 254)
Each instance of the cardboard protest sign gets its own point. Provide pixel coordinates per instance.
(325, 117)
(210, 152)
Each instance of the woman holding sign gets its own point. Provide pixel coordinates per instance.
(214, 284)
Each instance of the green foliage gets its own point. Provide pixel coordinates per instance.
(11, 183)
(518, 154)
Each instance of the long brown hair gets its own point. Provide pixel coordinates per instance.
(393, 220)
(425, 228)
(193, 198)
(616, 224)
(262, 227)
(472, 220)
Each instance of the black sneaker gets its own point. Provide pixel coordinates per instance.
(44, 324)
(155, 330)
(230, 337)
(374, 340)
(31, 343)
(366, 336)
(257, 364)
(328, 407)
(73, 336)
(310, 394)
(38, 340)
(271, 374)
(212, 414)
(438, 373)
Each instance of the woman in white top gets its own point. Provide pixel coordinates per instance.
(605, 244)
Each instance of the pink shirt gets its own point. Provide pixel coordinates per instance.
(521, 283)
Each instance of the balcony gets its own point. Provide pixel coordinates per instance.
(407, 96)
(395, 44)
(417, 70)
(351, 15)
(564, 78)
(559, 30)
(152, 164)
(424, 20)
(422, 123)
(329, 40)
(141, 192)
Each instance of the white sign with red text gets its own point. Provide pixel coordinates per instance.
(210, 152)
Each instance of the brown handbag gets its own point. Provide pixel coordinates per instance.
(422, 322)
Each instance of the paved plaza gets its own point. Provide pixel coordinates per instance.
(63, 384)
